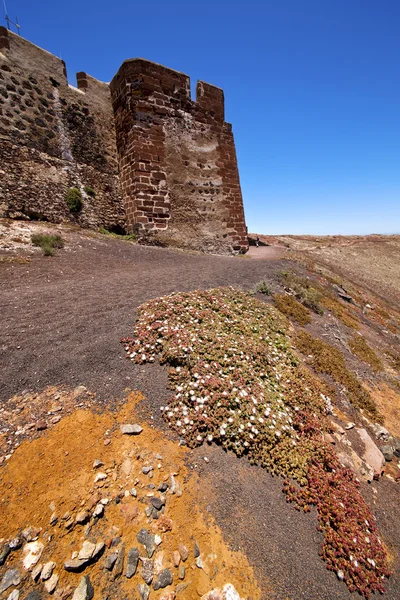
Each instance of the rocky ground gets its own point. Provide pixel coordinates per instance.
(90, 511)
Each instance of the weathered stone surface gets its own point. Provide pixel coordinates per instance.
(132, 562)
(147, 570)
(157, 502)
(110, 561)
(148, 541)
(14, 595)
(119, 563)
(387, 452)
(144, 591)
(82, 517)
(85, 590)
(380, 432)
(372, 455)
(32, 552)
(51, 583)
(4, 552)
(131, 429)
(196, 550)
(183, 551)
(228, 592)
(47, 570)
(11, 577)
(163, 579)
(34, 595)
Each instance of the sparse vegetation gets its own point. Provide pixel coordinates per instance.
(304, 290)
(128, 237)
(74, 200)
(326, 359)
(237, 382)
(48, 243)
(293, 309)
(90, 191)
(263, 287)
(360, 348)
(341, 312)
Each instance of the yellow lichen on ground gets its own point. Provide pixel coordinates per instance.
(54, 473)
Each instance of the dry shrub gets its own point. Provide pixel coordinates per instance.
(324, 358)
(360, 348)
(341, 312)
(293, 309)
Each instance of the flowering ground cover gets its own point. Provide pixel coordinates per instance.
(236, 381)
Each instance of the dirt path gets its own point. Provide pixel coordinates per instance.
(62, 321)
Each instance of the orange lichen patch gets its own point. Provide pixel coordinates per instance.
(55, 474)
(388, 404)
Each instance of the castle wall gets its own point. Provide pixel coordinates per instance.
(178, 167)
(159, 163)
(53, 137)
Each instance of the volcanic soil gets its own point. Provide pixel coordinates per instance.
(62, 321)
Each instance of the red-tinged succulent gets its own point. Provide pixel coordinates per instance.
(237, 382)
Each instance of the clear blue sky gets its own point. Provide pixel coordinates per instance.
(312, 88)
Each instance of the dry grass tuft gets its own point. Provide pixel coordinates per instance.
(324, 358)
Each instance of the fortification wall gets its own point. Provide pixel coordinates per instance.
(159, 163)
(178, 167)
(54, 137)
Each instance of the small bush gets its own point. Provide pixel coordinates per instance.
(128, 237)
(360, 348)
(90, 191)
(324, 358)
(290, 307)
(74, 200)
(340, 312)
(304, 290)
(48, 243)
(263, 287)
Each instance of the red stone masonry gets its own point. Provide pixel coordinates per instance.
(178, 168)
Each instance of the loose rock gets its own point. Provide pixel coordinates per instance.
(82, 517)
(147, 570)
(12, 577)
(14, 595)
(132, 563)
(51, 583)
(110, 561)
(144, 591)
(148, 541)
(196, 550)
(387, 452)
(85, 590)
(157, 502)
(163, 579)
(129, 429)
(47, 570)
(119, 564)
(32, 551)
(4, 552)
(183, 551)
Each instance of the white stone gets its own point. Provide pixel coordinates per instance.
(47, 570)
(51, 583)
(32, 551)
